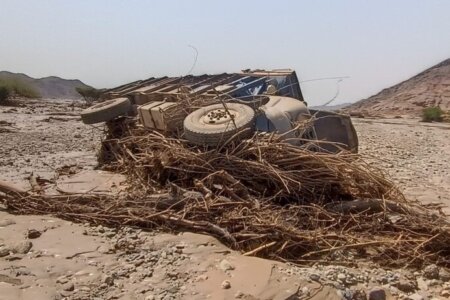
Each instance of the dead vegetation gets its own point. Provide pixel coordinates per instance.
(262, 196)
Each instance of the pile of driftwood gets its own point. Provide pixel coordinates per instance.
(261, 196)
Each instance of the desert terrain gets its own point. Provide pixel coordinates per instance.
(43, 257)
(429, 88)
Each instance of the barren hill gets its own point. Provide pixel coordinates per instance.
(48, 87)
(428, 88)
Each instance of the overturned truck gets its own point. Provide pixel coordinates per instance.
(235, 106)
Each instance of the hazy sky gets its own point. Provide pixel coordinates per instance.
(106, 43)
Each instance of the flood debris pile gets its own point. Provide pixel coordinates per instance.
(261, 195)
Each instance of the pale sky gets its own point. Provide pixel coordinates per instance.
(106, 43)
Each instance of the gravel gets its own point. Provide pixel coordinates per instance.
(416, 155)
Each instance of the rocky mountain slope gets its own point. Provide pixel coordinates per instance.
(48, 87)
(428, 88)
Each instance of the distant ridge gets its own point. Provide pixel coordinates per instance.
(330, 107)
(48, 87)
(428, 88)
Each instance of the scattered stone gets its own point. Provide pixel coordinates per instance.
(22, 247)
(69, 287)
(173, 289)
(422, 284)
(359, 295)
(201, 277)
(341, 277)
(110, 234)
(23, 272)
(444, 275)
(314, 277)
(225, 265)
(416, 296)
(4, 251)
(226, 284)
(445, 293)
(348, 294)
(109, 280)
(33, 233)
(100, 229)
(305, 291)
(431, 272)
(180, 246)
(62, 280)
(394, 291)
(406, 286)
(65, 294)
(172, 274)
(377, 294)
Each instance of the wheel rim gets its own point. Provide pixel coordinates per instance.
(219, 116)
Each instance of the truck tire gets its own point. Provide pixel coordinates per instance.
(106, 111)
(212, 125)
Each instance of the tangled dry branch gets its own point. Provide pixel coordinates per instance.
(262, 196)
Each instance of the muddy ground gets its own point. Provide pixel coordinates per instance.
(42, 257)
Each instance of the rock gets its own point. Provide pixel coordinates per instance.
(422, 284)
(445, 293)
(22, 247)
(225, 265)
(65, 294)
(239, 295)
(394, 291)
(431, 272)
(100, 229)
(150, 297)
(4, 251)
(416, 296)
(110, 234)
(348, 294)
(341, 277)
(444, 275)
(173, 289)
(305, 291)
(406, 286)
(359, 295)
(434, 282)
(377, 294)
(314, 277)
(62, 280)
(109, 280)
(201, 277)
(69, 287)
(351, 280)
(33, 233)
(226, 284)
(7, 222)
